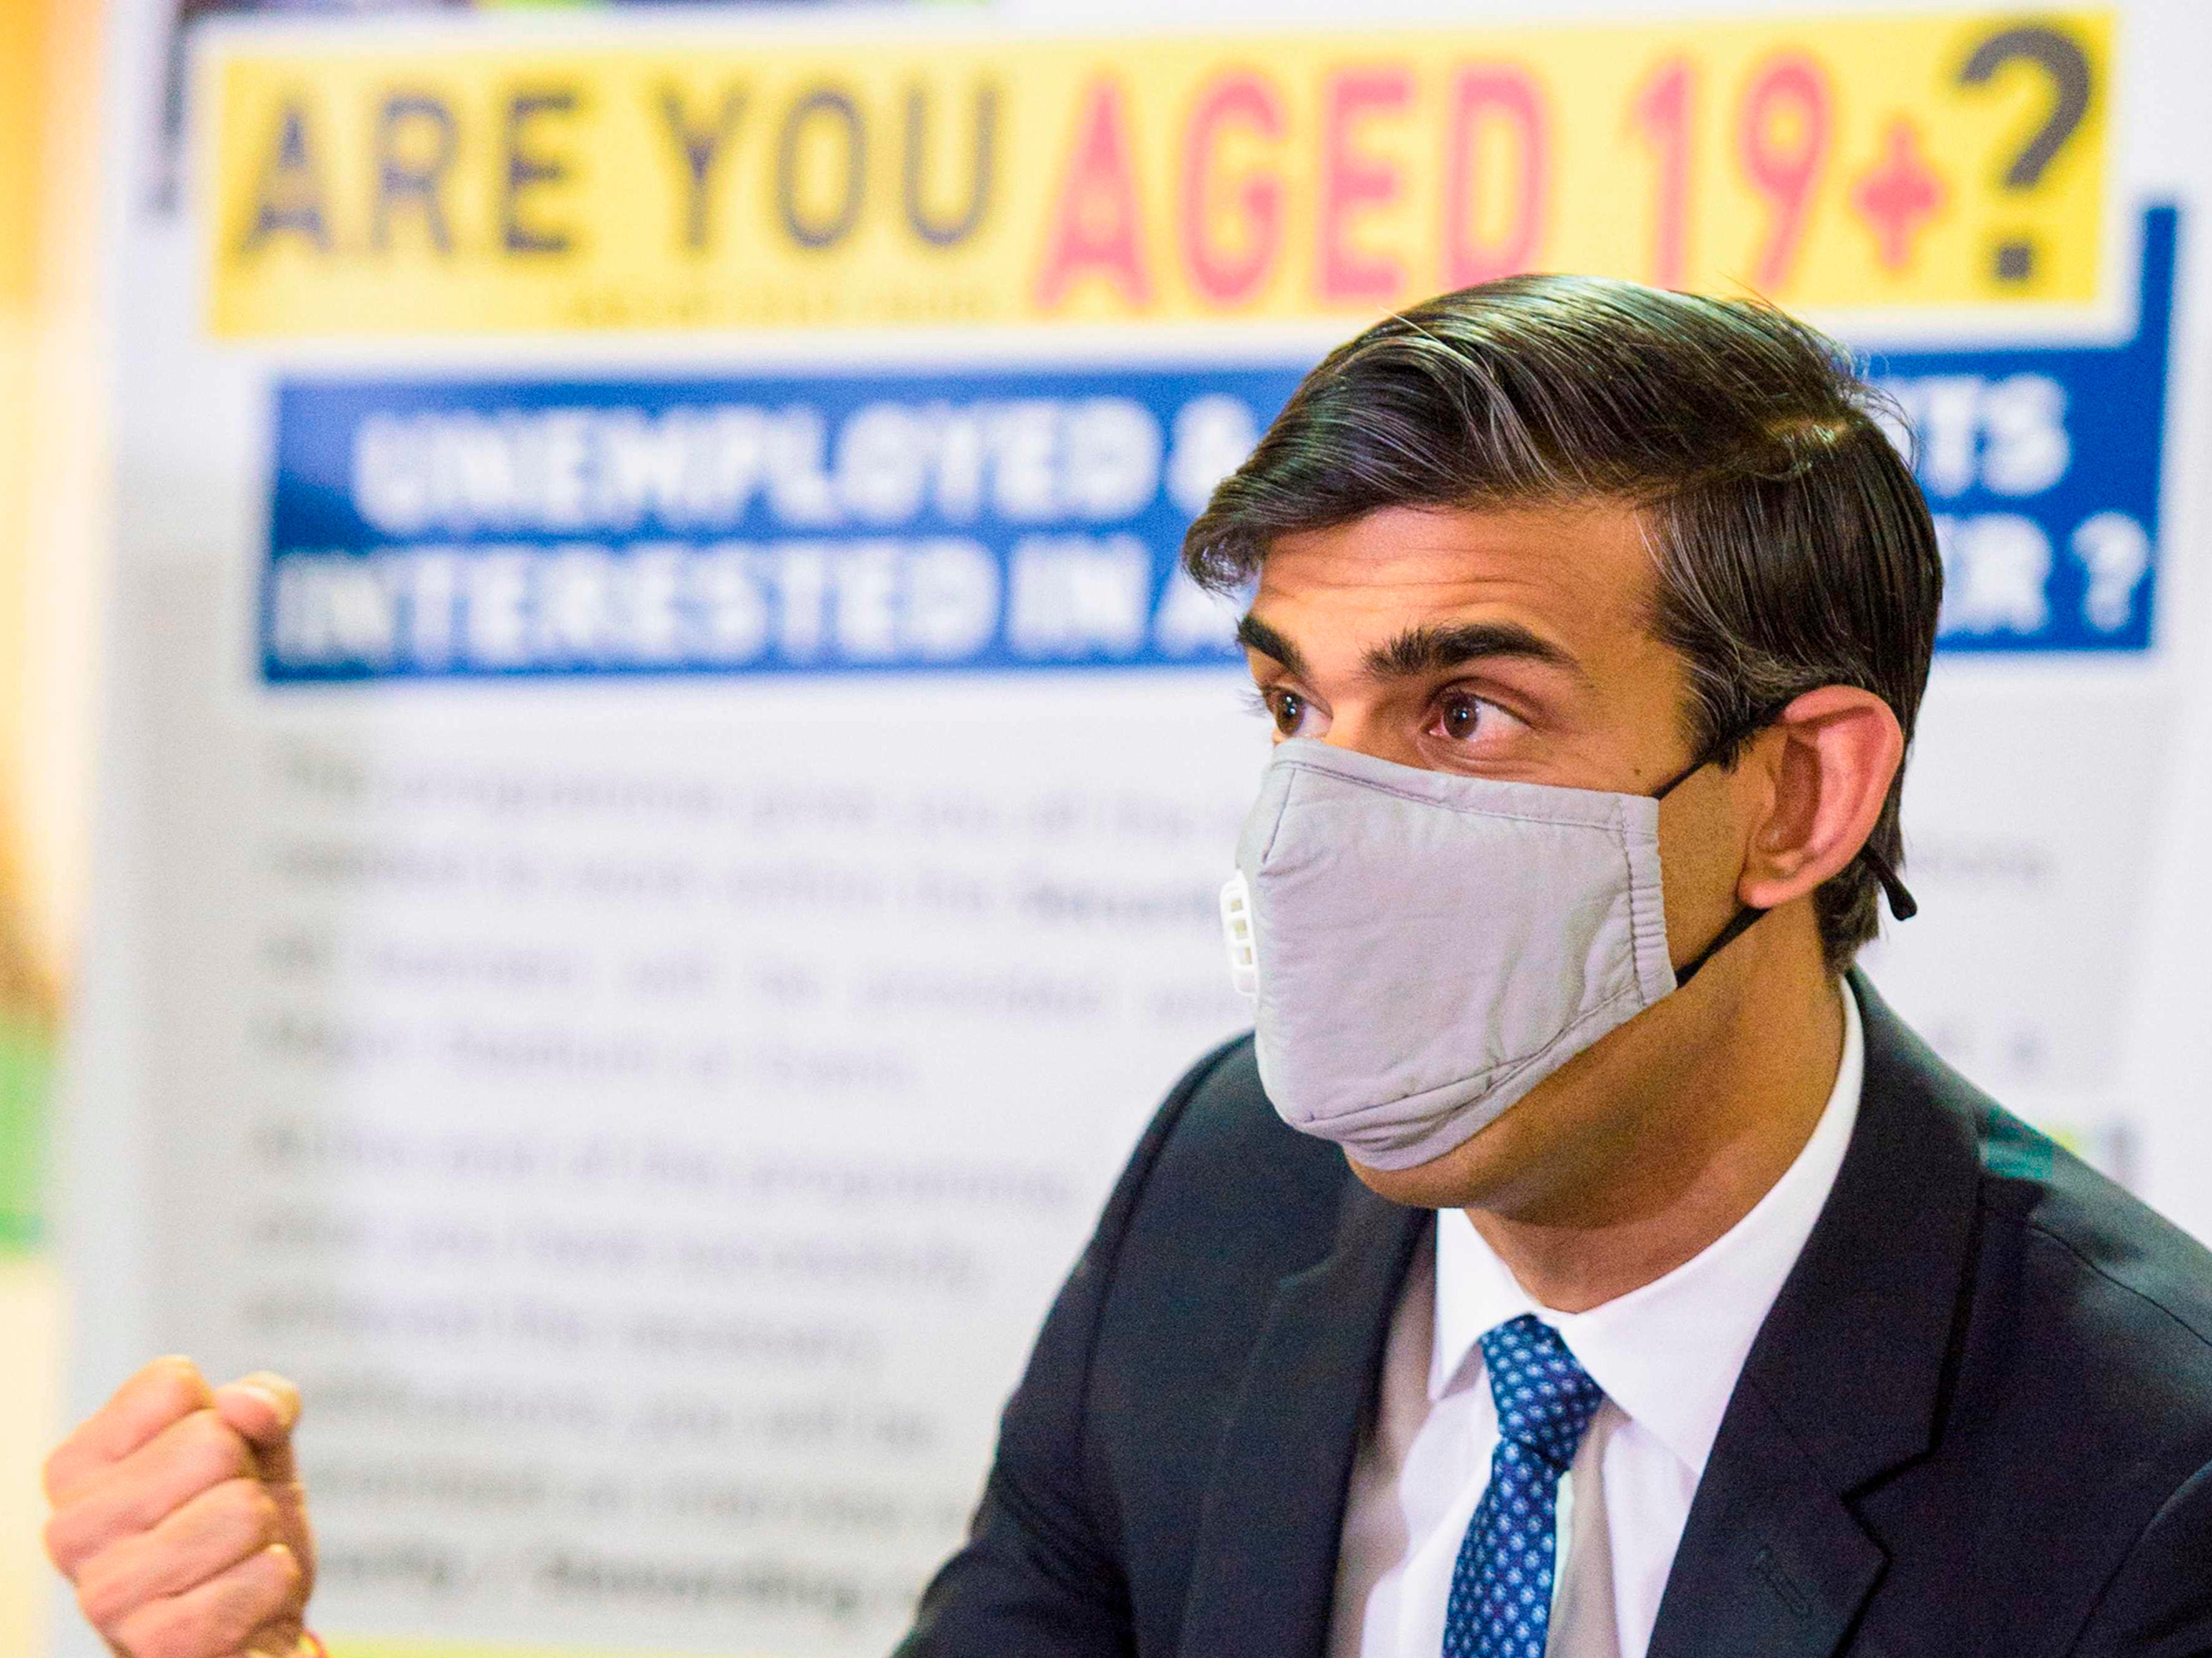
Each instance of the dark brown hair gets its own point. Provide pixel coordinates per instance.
(1794, 549)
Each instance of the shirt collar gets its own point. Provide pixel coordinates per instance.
(1668, 1354)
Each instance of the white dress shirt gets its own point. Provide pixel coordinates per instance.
(1667, 1354)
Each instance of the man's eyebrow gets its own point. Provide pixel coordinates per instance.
(1255, 634)
(1439, 647)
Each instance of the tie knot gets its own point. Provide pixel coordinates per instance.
(1544, 1399)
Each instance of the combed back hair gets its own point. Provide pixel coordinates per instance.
(1793, 548)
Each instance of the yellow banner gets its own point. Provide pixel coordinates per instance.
(770, 181)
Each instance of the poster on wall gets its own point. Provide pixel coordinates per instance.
(676, 793)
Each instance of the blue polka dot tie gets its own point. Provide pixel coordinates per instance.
(1501, 1587)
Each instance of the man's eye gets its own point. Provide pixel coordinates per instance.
(1460, 716)
(1292, 714)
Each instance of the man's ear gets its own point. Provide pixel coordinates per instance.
(1838, 751)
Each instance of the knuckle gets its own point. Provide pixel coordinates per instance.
(202, 1635)
(244, 1505)
(76, 1536)
(213, 1445)
(54, 1473)
(205, 1430)
(204, 1629)
(103, 1604)
(119, 1581)
(63, 1546)
(172, 1388)
(176, 1635)
(92, 1601)
(107, 1598)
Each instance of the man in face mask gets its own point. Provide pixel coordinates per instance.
(1579, 1259)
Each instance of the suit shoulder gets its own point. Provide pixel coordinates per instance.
(1226, 1159)
(2113, 1274)
(1221, 1201)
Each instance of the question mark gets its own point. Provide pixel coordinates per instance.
(2061, 57)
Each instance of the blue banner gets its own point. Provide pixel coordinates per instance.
(2041, 465)
(984, 521)
(1022, 518)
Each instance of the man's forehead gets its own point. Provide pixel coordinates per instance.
(1564, 579)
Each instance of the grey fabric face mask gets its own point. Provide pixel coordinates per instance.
(1425, 948)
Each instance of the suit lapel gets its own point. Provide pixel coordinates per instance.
(1844, 1382)
(1264, 1566)
(1772, 1564)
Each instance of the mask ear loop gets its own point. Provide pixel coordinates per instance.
(1903, 906)
(1746, 917)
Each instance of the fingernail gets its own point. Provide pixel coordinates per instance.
(279, 1407)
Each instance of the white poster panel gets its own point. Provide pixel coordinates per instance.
(665, 799)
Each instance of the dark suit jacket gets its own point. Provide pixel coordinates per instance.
(1977, 1421)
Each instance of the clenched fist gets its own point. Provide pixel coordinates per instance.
(179, 1515)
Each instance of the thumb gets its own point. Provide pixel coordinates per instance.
(263, 1408)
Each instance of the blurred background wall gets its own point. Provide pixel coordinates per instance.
(646, 1076)
(52, 554)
